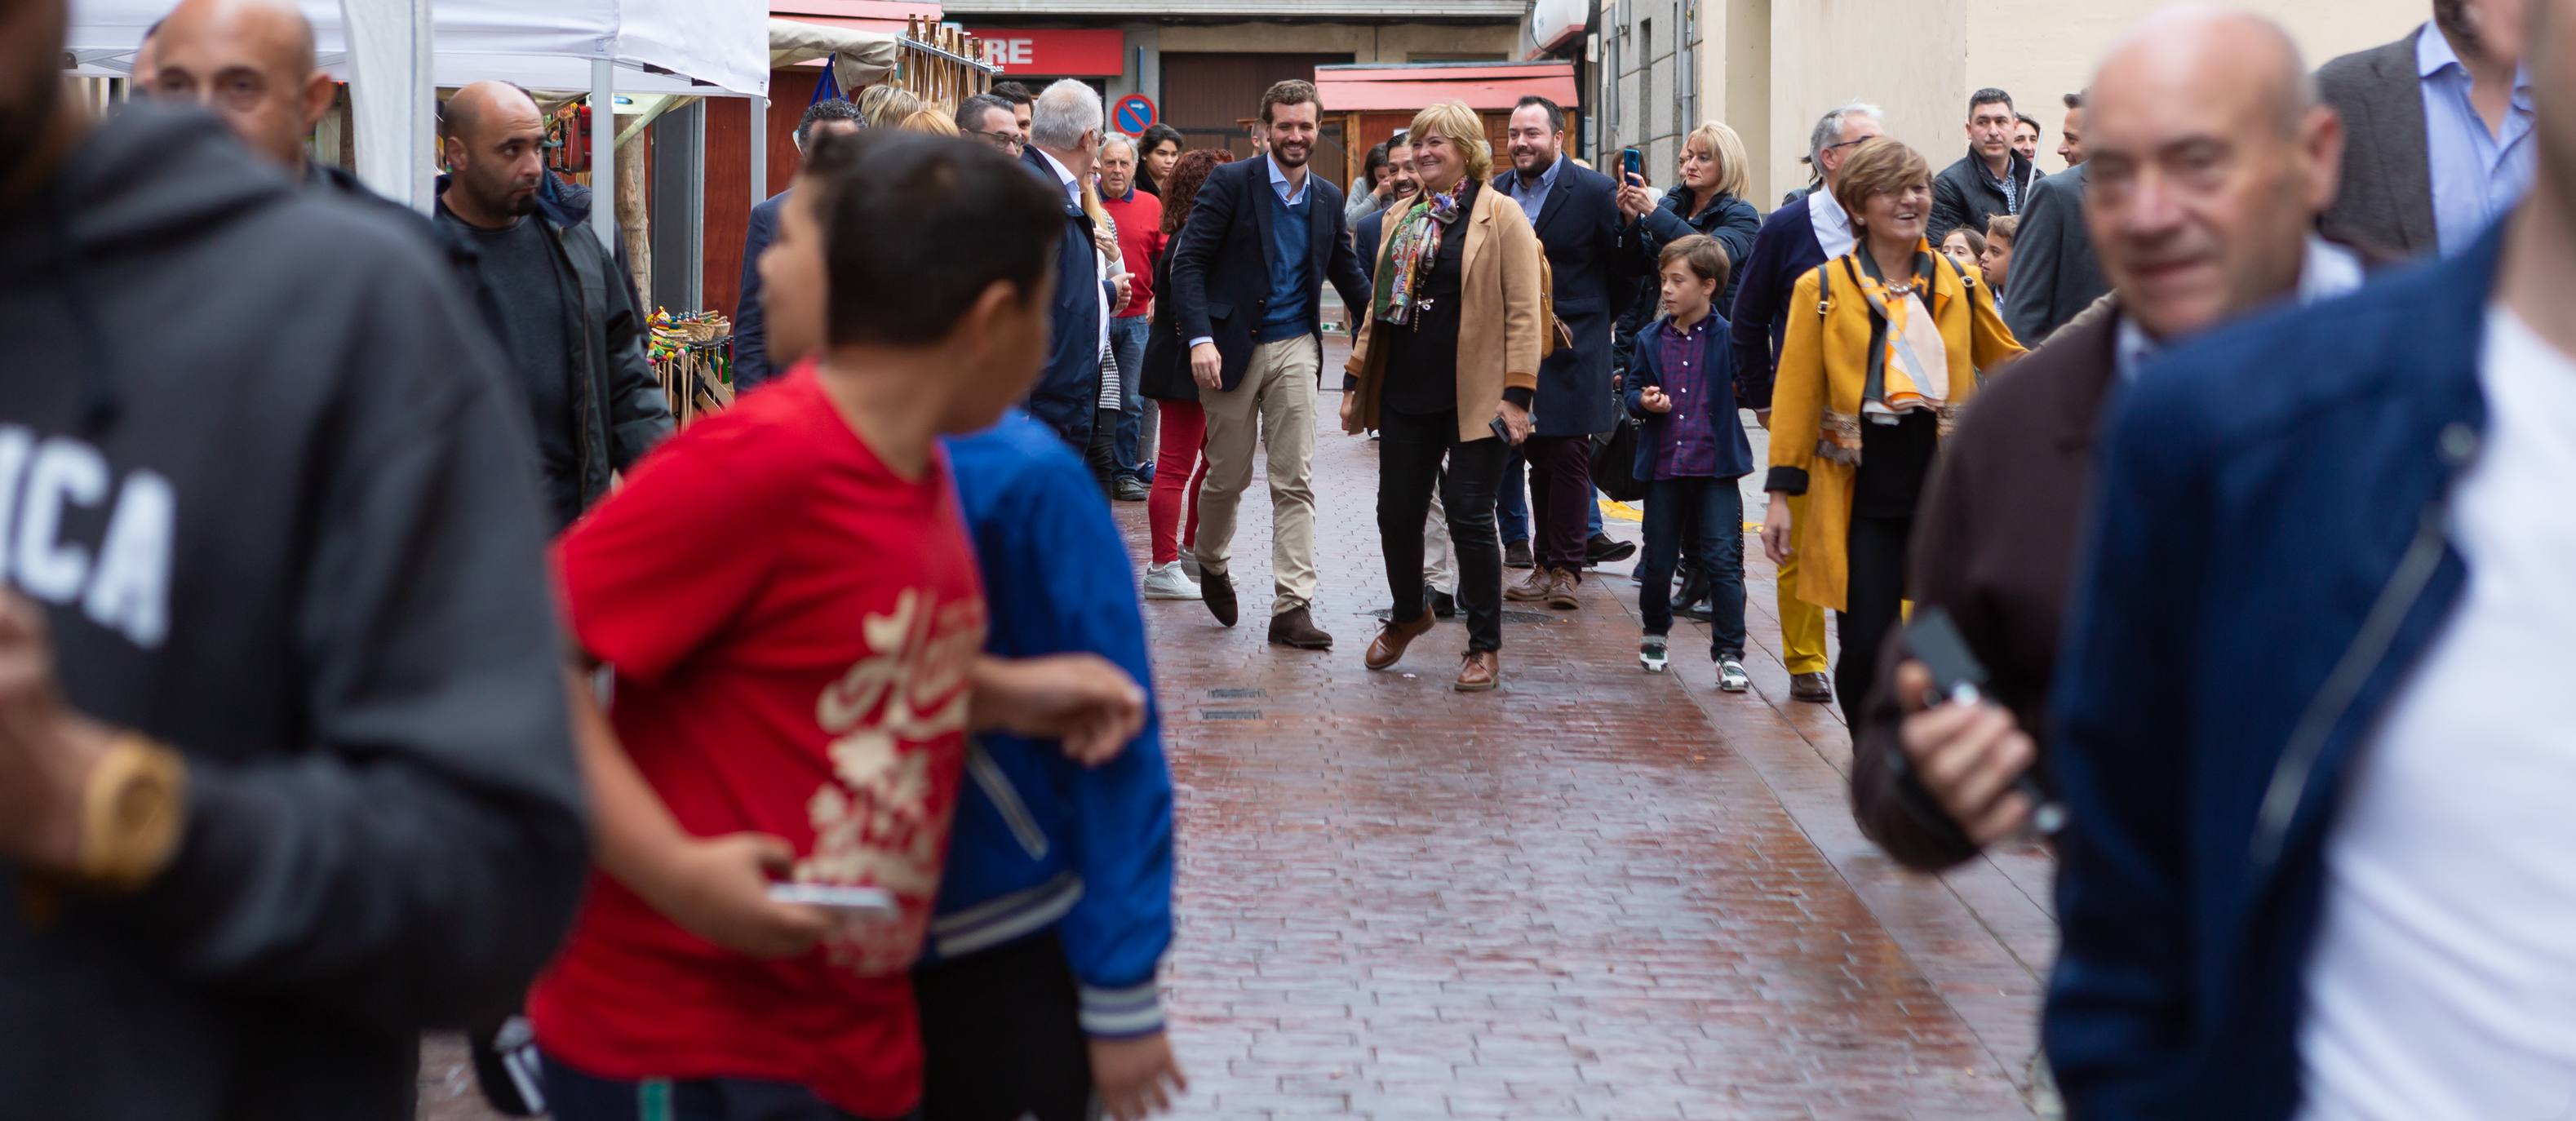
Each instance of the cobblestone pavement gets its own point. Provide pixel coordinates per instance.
(1594, 893)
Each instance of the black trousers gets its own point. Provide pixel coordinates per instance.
(1002, 1032)
(1873, 597)
(1101, 454)
(1409, 451)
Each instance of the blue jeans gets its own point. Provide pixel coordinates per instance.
(1127, 340)
(1720, 510)
(572, 1095)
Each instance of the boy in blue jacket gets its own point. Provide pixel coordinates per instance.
(1682, 383)
(1038, 984)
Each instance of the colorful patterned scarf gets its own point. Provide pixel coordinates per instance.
(1407, 261)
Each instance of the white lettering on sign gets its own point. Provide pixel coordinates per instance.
(1008, 53)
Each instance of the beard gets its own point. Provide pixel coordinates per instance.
(1290, 155)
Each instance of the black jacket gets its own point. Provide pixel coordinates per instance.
(1221, 261)
(618, 397)
(2055, 274)
(1965, 193)
(297, 541)
(1068, 392)
(1166, 376)
(751, 365)
(1596, 256)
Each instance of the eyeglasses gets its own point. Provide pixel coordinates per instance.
(1849, 143)
(1006, 141)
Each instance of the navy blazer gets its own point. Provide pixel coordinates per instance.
(1068, 391)
(1734, 452)
(1783, 251)
(1221, 260)
(750, 333)
(2215, 685)
(1595, 253)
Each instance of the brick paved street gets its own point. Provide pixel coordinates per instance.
(1594, 893)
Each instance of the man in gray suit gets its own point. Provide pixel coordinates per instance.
(2439, 125)
(2054, 272)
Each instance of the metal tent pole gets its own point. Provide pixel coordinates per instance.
(603, 153)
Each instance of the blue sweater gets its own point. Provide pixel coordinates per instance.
(1784, 250)
(1040, 841)
(1292, 295)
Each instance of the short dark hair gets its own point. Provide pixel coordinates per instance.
(1014, 93)
(916, 226)
(2032, 121)
(2074, 100)
(1376, 159)
(1706, 258)
(1155, 136)
(828, 109)
(1989, 96)
(1555, 115)
(1291, 91)
(970, 113)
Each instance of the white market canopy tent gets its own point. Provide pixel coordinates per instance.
(396, 53)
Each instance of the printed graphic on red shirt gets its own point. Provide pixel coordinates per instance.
(876, 823)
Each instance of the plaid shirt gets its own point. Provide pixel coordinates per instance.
(1690, 433)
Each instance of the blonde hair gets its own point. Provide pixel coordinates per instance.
(1458, 124)
(931, 121)
(1880, 164)
(886, 105)
(1732, 176)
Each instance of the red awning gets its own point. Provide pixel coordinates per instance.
(1483, 86)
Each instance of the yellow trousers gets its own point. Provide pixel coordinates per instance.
(1802, 624)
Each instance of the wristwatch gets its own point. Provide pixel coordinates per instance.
(132, 813)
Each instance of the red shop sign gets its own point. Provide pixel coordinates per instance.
(1060, 52)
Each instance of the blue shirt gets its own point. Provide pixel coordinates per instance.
(1532, 196)
(2477, 174)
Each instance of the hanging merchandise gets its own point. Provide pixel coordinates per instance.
(830, 86)
(568, 138)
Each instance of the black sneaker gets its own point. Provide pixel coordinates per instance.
(1602, 549)
(1444, 605)
(1131, 489)
(1516, 554)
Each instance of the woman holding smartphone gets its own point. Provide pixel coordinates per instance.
(1882, 351)
(1709, 200)
(1445, 367)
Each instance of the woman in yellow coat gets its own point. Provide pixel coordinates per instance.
(1884, 346)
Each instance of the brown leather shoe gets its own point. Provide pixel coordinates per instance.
(1533, 589)
(1294, 627)
(1479, 672)
(1813, 688)
(1560, 591)
(1388, 648)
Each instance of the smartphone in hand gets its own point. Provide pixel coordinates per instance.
(1631, 162)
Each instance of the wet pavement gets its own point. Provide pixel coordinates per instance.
(1594, 893)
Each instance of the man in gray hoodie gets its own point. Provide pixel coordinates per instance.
(284, 753)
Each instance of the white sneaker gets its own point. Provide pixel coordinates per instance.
(1731, 677)
(1650, 654)
(1167, 581)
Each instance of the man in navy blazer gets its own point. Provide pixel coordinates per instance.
(751, 365)
(1799, 236)
(1064, 145)
(2315, 749)
(1597, 258)
(1248, 269)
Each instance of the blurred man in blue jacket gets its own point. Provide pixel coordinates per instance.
(1039, 981)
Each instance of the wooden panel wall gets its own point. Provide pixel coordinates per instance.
(729, 194)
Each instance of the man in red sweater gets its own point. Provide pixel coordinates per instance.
(1140, 240)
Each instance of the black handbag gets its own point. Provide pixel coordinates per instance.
(1614, 463)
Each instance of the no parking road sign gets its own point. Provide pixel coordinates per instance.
(1133, 114)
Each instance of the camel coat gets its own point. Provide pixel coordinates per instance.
(1498, 329)
(1824, 361)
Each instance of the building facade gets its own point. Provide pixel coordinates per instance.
(1769, 68)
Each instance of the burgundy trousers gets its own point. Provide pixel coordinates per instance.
(1560, 482)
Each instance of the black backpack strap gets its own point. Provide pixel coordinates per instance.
(1824, 288)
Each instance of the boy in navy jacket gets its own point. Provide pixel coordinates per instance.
(1682, 383)
(1038, 985)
